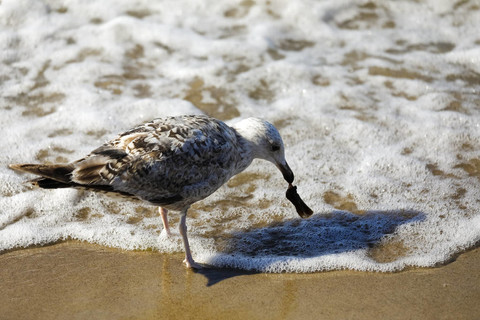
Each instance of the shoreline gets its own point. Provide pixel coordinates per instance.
(77, 280)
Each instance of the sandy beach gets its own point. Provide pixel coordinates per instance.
(74, 280)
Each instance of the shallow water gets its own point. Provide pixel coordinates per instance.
(377, 103)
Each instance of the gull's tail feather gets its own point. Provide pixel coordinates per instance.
(53, 175)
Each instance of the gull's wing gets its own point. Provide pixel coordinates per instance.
(163, 161)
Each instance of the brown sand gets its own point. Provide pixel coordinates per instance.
(81, 281)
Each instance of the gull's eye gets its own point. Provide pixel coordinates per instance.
(275, 147)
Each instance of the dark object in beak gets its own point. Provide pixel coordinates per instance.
(302, 209)
(286, 172)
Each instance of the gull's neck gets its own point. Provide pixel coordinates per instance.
(249, 135)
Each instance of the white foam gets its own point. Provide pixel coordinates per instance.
(377, 105)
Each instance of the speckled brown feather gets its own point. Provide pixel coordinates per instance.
(172, 162)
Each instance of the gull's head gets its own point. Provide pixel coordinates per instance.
(266, 143)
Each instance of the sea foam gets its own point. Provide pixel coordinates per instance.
(377, 104)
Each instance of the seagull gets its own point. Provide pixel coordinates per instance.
(171, 163)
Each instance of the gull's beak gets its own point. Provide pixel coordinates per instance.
(286, 171)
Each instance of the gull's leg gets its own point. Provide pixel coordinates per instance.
(183, 231)
(163, 214)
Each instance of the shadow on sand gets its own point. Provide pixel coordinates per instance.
(321, 234)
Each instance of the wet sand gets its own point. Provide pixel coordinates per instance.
(74, 280)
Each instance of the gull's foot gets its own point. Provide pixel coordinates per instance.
(192, 264)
